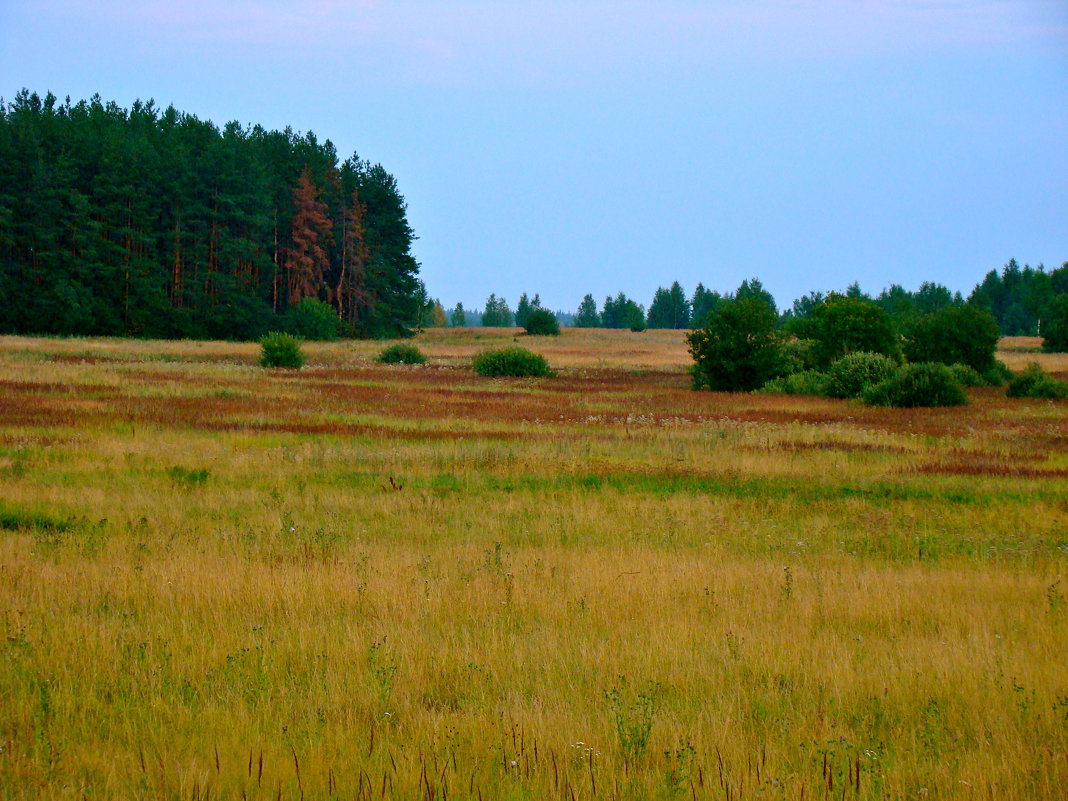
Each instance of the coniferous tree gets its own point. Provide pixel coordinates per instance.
(156, 223)
(458, 317)
(704, 301)
(307, 259)
(587, 316)
(496, 312)
(669, 308)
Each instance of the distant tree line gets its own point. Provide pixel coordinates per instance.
(154, 223)
(1019, 298)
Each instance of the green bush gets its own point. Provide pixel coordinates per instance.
(541, 322)
(799, 356)
(512, 361)
(401, 353)
(842, 325)
(851, 375)
(739, 349)
(281, 350)
(312, 319)
(1054, 324)
(999, 375)
(954, 335)
(807, 382)
(968, 376)
(1034, 382)
(923, 384)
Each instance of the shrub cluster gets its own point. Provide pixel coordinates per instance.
(541, 322)
(851, 375)
(806, 382)
(739, 349)
(1034, 382)
(846, 347)
(281, 350)
(923, 384)
(513, 361)
(314, 320)
(401, 353)
(1054, 324)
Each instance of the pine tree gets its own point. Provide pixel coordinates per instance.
(587, 316)
(307, 257)
(350, 293)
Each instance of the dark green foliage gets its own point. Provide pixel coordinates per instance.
(458, 317)
(739, 348)
(999, 375)
(154, 223)
(525, 307)
(281, 350)
(807, 382)
(798, 355)
(587, 316)
(753, 289)
(669, 309)
(968, 376)
(703, 302)
(842, 325)
(924, 384)
(1055, 324)
(512, 361)
(496, 313)
(852, 375)
(313, 320)
(401, 353)
(1018, 295)
(622, 312)
(1034, 382)
(954, 335)
(794, 319)
(541, 322)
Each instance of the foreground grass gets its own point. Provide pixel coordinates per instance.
(362, 581)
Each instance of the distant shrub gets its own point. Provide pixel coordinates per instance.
(1054, 324)
(281, 350)
(807, 382)
(798, 355)
(954, 335)
(512, 361)
(923, 384)
(314, 320)
(842, 325)
(999, 375)
(1034, 382)
(541, 322)
(849, 376)
(968, 376)
(739, 348)
(401, 353)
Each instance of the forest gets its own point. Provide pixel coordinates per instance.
(1017, 297)
(152, 223)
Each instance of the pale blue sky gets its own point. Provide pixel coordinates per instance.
(574, 147)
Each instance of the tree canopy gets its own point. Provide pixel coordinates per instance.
(152, 222)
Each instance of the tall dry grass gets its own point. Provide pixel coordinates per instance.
(370, 582)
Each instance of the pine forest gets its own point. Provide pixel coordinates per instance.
(154, 223)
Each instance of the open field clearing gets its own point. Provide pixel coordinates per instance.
(360, 581)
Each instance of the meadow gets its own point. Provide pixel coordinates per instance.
(360, 581)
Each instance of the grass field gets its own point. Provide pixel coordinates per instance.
(358, 581)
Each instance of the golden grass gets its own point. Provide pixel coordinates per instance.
(361, 581)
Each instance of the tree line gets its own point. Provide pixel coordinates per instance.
(151, 222)
(1017, 297)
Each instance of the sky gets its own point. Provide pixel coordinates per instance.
(565, 148)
